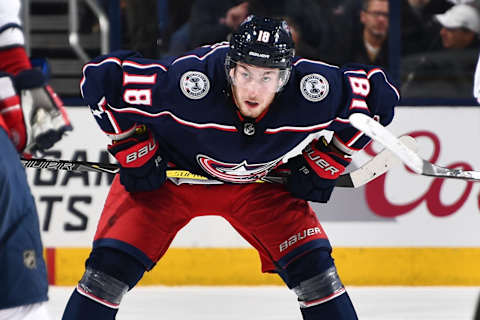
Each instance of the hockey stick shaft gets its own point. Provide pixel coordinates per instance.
(85, 166)
(382, 135)
(374, 168)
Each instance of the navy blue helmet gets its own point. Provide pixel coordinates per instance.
(264, 42)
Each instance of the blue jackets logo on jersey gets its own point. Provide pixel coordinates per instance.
(235, 172)
(195, 85)
(314, 87)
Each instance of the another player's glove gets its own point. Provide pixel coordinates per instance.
(34, 114)
(313, 173)
(142, 168)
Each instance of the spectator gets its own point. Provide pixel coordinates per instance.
(315, 29)
(209, 22)
(322, 30)
(347, 17)
(370, 45)
(448, 71)
(460, 27)
(212, 21)
(142, 26)
(428, 8)
(176, 34)
(420, 31)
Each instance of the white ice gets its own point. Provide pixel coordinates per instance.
(278, 303)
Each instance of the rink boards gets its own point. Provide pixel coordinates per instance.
(402, 229)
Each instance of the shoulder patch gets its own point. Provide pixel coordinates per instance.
(314, 87)
(194, 85)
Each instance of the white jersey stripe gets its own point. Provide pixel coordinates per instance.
(179, 120)
(319, 126)
(315, 62)
(223, 127)
(202, 57)
(127, 63)
(372, 72)
(108, 60)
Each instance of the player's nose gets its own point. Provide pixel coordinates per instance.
(251, 90)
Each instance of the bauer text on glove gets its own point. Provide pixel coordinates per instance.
(313, 173)
(142, 167)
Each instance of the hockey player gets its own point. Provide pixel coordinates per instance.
(31, 119)
(233, 111)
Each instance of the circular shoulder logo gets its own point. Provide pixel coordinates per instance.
(314, 87)
(195, 85)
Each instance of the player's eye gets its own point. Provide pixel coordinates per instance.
(266, 78)
(245, 75)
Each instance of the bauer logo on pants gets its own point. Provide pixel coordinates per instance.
(299, 237)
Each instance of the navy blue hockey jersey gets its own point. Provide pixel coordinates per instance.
(187, 103)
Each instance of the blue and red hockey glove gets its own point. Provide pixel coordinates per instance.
(142, 168)
(314, 172)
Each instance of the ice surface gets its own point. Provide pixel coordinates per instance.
(278, 303)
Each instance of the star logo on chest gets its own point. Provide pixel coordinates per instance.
(239, 170)
(243, 172)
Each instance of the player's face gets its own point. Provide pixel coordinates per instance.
(253, 88)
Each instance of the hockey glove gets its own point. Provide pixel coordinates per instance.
(141, 167)
(35, 116)
(313, 173)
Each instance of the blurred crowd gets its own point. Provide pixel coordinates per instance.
(438, 43)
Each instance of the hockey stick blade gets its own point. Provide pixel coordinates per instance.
(381, 163)
(409, 157)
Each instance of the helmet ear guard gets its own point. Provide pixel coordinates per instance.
(262, 42)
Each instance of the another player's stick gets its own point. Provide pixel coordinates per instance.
(411, 158)
(372, 169)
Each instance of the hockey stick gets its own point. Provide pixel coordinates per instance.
(409, 157)
(372, 169)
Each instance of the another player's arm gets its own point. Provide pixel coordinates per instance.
(32, 111)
